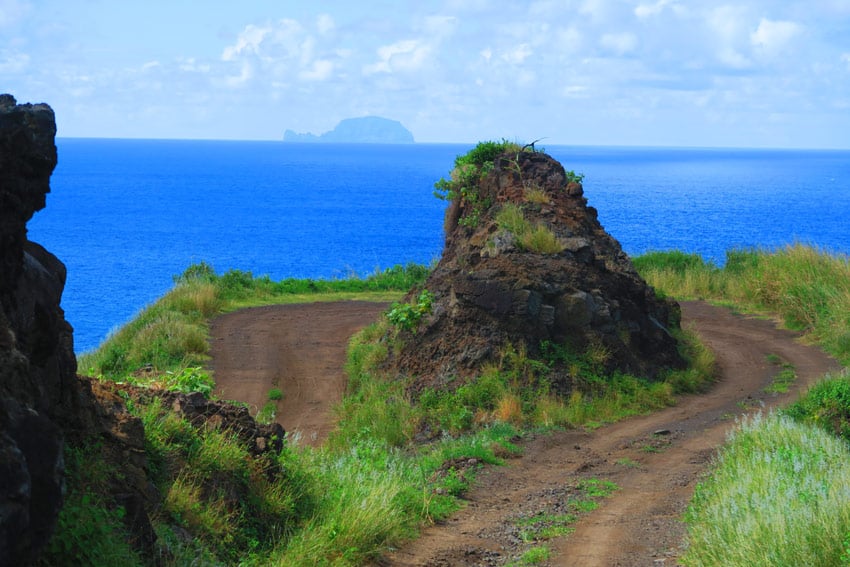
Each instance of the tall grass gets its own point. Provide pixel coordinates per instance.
(777, 496)
(809, 288)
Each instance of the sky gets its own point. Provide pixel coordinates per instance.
(706, 73)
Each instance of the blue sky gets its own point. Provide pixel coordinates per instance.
(748, 73)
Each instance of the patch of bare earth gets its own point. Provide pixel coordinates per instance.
(656, 460)
(299, 349)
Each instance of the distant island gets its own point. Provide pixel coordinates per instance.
(365, 130)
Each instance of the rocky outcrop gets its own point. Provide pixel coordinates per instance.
(38, 385)
(494, 287)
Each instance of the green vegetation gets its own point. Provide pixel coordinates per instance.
(777, 496)
(462, 186)
(783, 379)
(370, 487)
(90, 530)
(275, 394)
(808, 288)
(171, 334)
(407, 316)
(826, 405)
(534, 238)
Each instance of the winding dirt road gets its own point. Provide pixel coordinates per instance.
(656, 460)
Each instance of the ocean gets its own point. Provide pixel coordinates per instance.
(125, 216)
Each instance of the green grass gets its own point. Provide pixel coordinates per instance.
(171, 335)
(807, 287)
(777, 496)
(533, 238)
(90, 528)
(371, 487)
(826, 405)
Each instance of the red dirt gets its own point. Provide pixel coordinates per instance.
(656, 460)
(299, 349)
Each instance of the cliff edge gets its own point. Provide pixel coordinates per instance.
(38, 385)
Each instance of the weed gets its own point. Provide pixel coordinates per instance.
(597, 488)
(826, 405)
(536, 195)
(462, 187)
(628, 463)
(275, 394)
(267, 413)
(407, 316)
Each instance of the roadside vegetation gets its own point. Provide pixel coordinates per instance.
(777, 492)
(393, 465)
(400, 459)
(809, 289)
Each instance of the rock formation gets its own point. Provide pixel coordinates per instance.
(496, 286)
(38, 384)
(43, 403)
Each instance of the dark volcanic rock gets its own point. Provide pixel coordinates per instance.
(38, 382)
(491, 291)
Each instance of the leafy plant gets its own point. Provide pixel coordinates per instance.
(463, 185)
(407, 316)
(275, 394)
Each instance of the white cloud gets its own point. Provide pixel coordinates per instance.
(190, 64)
(325, 24)
(647, 10)
(518, 54)
(733, 58)
(405, 55)
(13, 61)
(320, 70)
(845, 57)
(619, 43)
(575, 91)
(248, 42)
(728, 22)
(246, 73)
(440, 26)
(774, 35)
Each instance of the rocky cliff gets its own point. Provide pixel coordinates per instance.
(38, 385)
(526, 263)
(44, 405)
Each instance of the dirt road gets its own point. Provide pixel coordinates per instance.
(298, 349)
(655, 460)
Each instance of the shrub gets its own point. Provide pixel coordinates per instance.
(407, 316)
(462, 187)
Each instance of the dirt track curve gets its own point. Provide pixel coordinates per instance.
(655, 460)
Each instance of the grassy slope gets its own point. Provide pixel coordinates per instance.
(777, 494)
(369, 487)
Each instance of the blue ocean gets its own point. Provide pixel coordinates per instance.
(127, 215)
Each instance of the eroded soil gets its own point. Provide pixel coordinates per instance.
(656, 460)
(298, 349)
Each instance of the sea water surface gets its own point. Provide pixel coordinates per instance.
(127, 215)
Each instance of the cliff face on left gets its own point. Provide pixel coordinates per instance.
(38, 385)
